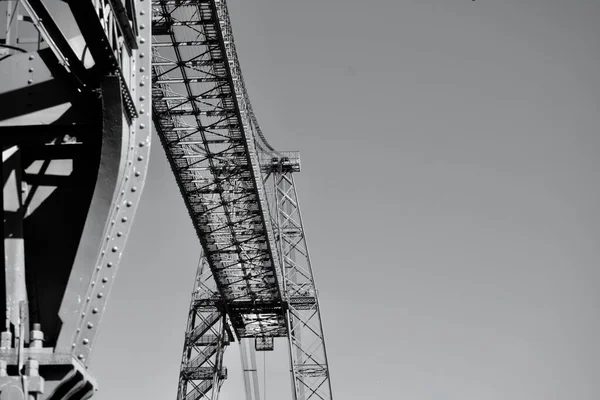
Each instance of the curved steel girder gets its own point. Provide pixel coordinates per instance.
(102, 239)
(216, 164)
(90, 284)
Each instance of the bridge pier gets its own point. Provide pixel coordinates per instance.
(75, 135)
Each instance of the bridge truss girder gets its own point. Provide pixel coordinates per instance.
(204, 122)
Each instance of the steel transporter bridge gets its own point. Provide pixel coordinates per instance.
(82, 83)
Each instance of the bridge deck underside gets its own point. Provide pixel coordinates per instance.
(209, 143)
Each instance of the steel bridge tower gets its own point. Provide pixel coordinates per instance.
(75, 102)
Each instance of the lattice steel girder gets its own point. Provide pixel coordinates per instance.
(199, 99)
(310, 371)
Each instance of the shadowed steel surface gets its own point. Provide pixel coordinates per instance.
(75, 123)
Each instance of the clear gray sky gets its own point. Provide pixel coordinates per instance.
(449, 189)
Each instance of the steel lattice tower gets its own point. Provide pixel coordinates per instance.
(310, 372)
(207, 335)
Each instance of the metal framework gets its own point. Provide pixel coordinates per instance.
(74, 129)
(202, 372)
(242, 200)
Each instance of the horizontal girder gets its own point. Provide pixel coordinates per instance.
(203, 117)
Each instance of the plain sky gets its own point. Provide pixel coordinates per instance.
(449, 191)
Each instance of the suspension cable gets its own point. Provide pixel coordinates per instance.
(265, 373)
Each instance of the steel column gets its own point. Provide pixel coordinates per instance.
(75, 144)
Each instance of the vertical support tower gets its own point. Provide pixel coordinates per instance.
(206, 337)
(75, 90)
(308, 356)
